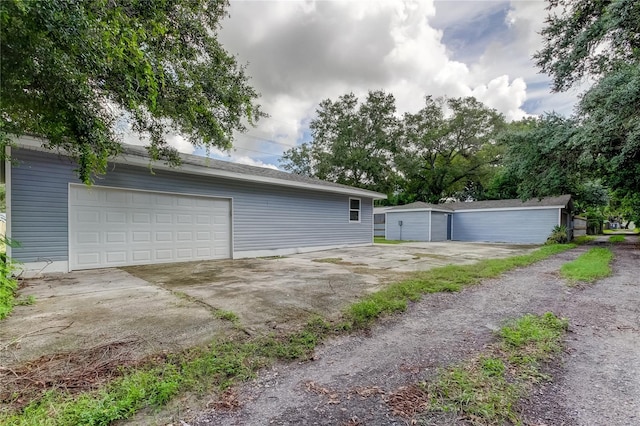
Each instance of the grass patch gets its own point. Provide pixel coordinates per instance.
(383, 240)
(635, 230)
(486, 389)
(583, 239)
(617, 239)
(590, 266)
(450, 278)
(334, 260)
(226, 315)
(25, 300)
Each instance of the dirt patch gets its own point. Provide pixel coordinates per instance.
(429, 256)
(72, 372)
(595, 382)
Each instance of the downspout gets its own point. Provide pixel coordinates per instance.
(559, 217)
(430, 224)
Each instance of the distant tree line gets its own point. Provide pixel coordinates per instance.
(447, 148)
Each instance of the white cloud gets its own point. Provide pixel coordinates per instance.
(504, 96)
(301, 52)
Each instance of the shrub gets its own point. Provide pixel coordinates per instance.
(8, 287)
(559, 235)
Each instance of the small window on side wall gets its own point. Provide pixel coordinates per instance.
(354, 210)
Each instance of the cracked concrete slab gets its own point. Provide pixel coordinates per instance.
(172, 306)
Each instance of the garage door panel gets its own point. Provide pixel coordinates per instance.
(163, 218)
(115, 217)
(112, 227)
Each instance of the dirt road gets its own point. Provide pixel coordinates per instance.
(596, 382)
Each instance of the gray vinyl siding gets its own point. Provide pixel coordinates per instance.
(265, 217)
(511, 226)
(438, 226)
(415, 226)
(379, 224)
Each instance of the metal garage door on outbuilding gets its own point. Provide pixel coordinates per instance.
(116, 227)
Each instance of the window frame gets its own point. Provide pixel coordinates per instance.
(359, 210)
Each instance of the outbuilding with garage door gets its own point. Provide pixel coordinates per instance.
(205, 209)
(498, 221)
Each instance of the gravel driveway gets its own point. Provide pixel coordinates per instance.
(597, 381)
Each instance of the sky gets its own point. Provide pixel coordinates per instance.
(300, 52)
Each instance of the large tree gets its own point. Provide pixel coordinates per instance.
(599, 40)
(73, 71)
(353, 143)
(447, 147)
(588, 38)
(540, 159)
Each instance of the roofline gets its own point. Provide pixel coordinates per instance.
(422, 209)
(132, 159)
(497, 209)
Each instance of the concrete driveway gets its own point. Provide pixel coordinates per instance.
(172, 306)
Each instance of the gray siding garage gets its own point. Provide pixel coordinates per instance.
(417, 222)
(514, 226)
(504, 221)
(412, 226)
(206, 209)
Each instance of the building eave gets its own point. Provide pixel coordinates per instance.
(498, 209)
(34, 143)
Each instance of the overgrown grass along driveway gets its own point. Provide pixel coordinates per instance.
(449, 278)
(231, 360)
(590, 266)
(617, 239)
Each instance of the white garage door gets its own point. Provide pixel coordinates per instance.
(114, 227)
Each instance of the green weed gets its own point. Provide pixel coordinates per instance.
(328, 260)
(8, 288)
(583, 239)
(383, 240)
(590, 266)
(450, 278)
(486, 389)
(25, 301)
(226, 315)
(616, 239)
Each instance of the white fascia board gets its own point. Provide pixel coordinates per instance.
(508, 209)
(32, 142)
(420, 210)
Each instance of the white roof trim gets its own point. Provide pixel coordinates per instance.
(420, 210)
(36, 143)
(499, 209)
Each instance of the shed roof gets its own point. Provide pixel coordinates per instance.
(420, 205)
(561, 201)
(194, 164)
